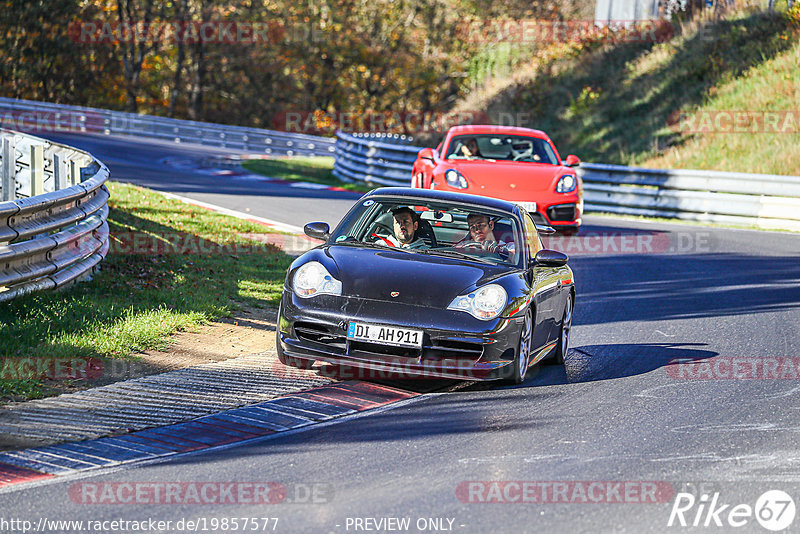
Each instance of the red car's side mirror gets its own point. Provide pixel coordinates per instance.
(427, 153)
(572, 161)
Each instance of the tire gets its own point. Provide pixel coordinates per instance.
(564, 333)
(523, 357)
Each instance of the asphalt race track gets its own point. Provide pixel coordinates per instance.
(682, 379)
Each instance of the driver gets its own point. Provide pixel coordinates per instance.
(406, 224)
(481, 235)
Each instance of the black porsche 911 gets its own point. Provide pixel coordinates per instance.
(431, 283)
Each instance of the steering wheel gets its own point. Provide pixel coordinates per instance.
(523, 155)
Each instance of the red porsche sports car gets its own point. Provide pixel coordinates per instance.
(510, 163)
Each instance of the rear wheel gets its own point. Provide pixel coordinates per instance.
(566, 328)
(523, 351)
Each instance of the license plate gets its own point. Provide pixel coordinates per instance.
(530, 207)
(387, 335)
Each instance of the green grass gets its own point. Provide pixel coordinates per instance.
(137, 301)
(318, 170)
(617, 103)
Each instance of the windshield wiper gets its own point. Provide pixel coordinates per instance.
(457, 254)
(372, 245)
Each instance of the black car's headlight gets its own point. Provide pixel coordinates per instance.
(566, 184)
(455, 179)
(314, 279)
(484, 303)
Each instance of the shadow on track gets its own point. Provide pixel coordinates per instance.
(590, 363)
(651, 287)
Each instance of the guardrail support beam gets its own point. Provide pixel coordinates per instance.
(60, 176)
(8, 172)
(37, 170)
(74, 172)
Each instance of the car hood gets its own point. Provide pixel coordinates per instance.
(419, 279)
(507, 179)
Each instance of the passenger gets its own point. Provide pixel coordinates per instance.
(406, 224)
(481, 235)
(470, 149)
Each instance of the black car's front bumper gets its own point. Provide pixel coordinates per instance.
(455, 344)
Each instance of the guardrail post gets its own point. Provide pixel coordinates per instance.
(60, 176)
(74, 172)
(37, 170)
(8, 172)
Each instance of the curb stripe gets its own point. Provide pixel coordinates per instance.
(331, 397)
(146, 437)
(247, 423)
(135, 444)
(11, 474)
(231, 426)
(244, 424)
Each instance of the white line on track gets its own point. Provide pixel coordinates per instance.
(282, 227)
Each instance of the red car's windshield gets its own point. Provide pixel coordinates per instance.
(501, 147)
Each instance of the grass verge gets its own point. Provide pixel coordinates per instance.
(172, 266)
(318, 170)
(624, 102)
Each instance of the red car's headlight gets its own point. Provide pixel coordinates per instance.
(455, 179)
(566, 184)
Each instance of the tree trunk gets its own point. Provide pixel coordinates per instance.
(133, 51)
(181, 19)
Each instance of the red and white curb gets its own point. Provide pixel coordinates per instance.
(278, 415)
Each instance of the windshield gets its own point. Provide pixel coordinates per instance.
(467, 232)
(501, 148)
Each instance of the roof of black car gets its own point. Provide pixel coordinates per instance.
(446, 196)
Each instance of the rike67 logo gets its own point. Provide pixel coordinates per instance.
(774, 510)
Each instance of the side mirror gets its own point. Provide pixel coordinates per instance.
(551, 258)
(572, 161)
(427, 153)
(318, 230)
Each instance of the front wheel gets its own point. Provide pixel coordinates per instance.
(566, 328)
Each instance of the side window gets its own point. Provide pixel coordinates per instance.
(532, 236)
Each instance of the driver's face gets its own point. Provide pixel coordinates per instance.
(472, 146)
(480, 227)
(404, 227)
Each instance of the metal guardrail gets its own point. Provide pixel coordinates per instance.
(384, 160)
(53, 214)
(28, 115)
(765, 201)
